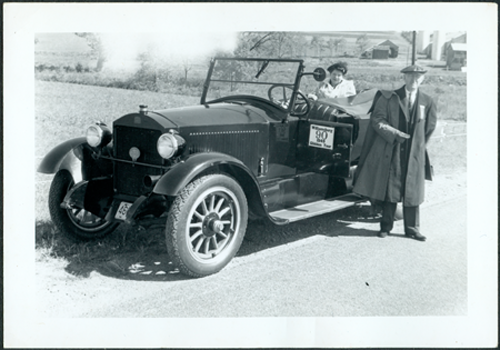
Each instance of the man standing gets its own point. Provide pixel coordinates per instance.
(394, 164)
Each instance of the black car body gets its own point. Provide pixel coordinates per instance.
(254, 146)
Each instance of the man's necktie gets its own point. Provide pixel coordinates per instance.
(410, 103)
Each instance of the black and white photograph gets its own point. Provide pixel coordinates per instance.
(214, 175)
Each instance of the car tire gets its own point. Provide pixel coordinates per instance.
(206, 225)
(76, 224)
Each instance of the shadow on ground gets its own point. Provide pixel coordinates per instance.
(140, 254)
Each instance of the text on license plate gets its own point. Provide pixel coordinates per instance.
(121, 213)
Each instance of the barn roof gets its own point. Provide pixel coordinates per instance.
(378, 48)
(458, 47)
(387, 43)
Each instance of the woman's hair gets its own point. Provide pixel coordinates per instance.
(340, 66)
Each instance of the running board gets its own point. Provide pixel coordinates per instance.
(309, 210)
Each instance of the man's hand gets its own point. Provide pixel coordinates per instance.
(401, 136)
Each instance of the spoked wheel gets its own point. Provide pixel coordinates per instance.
(206, 225)
(75, 223)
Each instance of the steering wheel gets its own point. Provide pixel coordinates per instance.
(282, 99)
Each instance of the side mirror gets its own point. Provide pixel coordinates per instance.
(319, 74)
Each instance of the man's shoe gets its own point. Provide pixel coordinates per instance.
(383, 234)
(417, 236)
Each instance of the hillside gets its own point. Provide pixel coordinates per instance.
(64, 48)
(60, 42)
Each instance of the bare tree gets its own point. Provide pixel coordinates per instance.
(298, 45)
(283, 43)
(363, 42)
(339, 44)
(334, 44)
(317, 43)
(407, 35)
(94, 41)
(270, 44)
(186, 66)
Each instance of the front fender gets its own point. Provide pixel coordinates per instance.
(183, 173)
(61, 157)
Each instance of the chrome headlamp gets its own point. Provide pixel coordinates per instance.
(169, 145)
(98, 135)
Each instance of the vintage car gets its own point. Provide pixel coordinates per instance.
(255, 147)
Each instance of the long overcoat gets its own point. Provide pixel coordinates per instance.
(381, 173)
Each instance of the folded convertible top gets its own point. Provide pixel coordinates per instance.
(357, 105)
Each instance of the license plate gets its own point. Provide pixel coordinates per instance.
(121, 213)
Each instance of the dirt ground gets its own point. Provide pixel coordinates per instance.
(62, 293)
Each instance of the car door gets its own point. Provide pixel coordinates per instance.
(324, 147)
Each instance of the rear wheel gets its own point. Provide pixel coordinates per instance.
(206, 225)
(75, 223)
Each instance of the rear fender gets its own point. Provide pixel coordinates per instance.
(62, 157)
(183, 173)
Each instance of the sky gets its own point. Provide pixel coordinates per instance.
(122, 50)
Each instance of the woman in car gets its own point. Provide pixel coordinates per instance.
(336, 86)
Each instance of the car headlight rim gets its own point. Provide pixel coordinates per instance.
(167, 145)
(94, 135)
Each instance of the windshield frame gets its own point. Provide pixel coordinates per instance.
(293, 86)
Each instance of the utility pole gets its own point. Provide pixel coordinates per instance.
(413, 43)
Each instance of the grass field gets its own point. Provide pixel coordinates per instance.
(70, 94)
(64, 111)
(65, 57)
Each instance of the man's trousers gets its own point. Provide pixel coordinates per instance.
(411, 218)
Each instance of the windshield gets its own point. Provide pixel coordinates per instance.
(272, 80)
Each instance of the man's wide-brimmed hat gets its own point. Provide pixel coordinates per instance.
(414, 69)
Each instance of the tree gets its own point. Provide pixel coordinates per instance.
(317, 43)
(270, 44)
(249, 44)
(331, 45)
(282, 44)
(339, 44)
(97, 48)
(335, 44)
(363, 42)
(186, 66)
(299, 45)
(408, 36)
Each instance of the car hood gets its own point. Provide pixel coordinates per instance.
(210, 115)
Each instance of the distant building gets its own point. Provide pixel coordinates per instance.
(383, 51)
(428, 51)
(440, 43)
(456, 56)
(423, 41)
(393, 48)
(455, 52)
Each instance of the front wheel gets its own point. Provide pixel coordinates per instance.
(206, 225)
(75, 223)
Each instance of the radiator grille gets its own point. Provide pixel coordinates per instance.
(129, 177)
(145, 140)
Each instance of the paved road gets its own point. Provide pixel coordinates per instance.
(342, 269)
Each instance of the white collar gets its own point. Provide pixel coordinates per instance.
(411, 95)
(340, 82)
